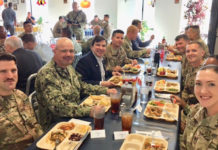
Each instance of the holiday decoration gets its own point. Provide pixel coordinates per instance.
(41, 2)
(195, 12)
(85, 4)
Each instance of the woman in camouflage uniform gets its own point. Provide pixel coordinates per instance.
(201, 131)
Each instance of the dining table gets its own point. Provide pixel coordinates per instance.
(112, 122)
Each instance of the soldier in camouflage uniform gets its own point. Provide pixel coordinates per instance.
(78, 21)
(19, 127)
(201, 130)
(58, 87)
(106, 27)
(194, 55)
(115, 54)
(3, 36)
(193, 34)
(132, 33)
(96, 21)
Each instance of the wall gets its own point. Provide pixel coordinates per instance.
(167, 21)
(102, 7)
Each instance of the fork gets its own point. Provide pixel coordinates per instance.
(170, 114)
(152, 139)
(57, 141)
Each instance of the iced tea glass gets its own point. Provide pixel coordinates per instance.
(115, 102)
(99, 112)
(127, 117)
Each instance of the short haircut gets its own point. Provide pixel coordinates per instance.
(98, 39)
(135, 22)
(195, 28)
(132, 29)
(10, 4)
(28, 38)
(181, 36)
(186, 28)
(210, 66)
(61, 17)
(97, 29)
(106, 15)
(117, 31)
(67, 32)
(14, 42)
(5, 56)
(95, 16)
(198, 43)
(26, 22)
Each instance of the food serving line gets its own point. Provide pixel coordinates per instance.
(156, 128)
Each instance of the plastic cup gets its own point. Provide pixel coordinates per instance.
(115, 102)
(127, 117)
(99, 112)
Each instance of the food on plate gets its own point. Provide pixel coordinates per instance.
(169, 87)
(82, 129)
(67, 126)
(157, 103)
(155, 146)
(161, 71)
(104, 102)
(173, 57)
(131, 68)
(154, 111)
(75, 137)
(58, 135)
(115, 79)
(96, 97)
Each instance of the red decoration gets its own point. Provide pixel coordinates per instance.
(41, 2)
(85, 4)
(1, 2)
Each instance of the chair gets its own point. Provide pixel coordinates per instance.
(29, 81)
(34, 104)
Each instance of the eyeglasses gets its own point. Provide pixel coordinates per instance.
(65, 51)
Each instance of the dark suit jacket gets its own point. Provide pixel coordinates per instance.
(89, 68)
(28, 62)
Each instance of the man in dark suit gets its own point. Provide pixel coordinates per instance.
(28, 62)
(91, 66)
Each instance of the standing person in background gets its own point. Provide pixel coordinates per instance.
(58, 27)
(106, 27)
(78, 21)
(3, 35)
(9, 18)
(137, 44)
(30, 18)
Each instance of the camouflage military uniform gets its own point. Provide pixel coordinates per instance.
(188, 91)
(185, 66)
(58, 92)
(201, 130)
(18, 125)
(86, 46)
(57, 29)
(115, 57)
(78, 17)
(127, 46)
(94, 23)
(106, 29)
(205, 47)
(2, 48)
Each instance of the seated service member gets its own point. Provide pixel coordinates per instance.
(91, 65)
(201, 131)
(115, 55)
(28, 62)
(194, 55)
(58, 27)
(28, 29)
(18, 125)
(58, 87)
(132, 33)
(137, 44)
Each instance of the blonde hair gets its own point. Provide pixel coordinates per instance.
(132, 29)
